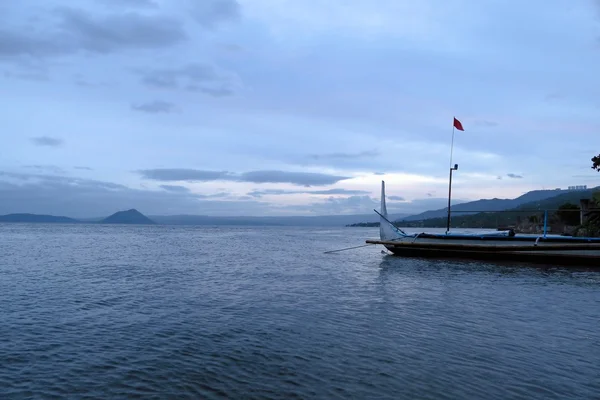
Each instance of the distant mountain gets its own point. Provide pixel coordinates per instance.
(505, 217)
(128, 217)
(36, 218)
(494, 204)
(321, 221)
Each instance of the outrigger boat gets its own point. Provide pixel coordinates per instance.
(495, 245)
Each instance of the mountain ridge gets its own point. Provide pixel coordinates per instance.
(37, 218)
(494, 204)
(506, 217)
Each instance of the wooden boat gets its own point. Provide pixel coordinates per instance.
(496, 245)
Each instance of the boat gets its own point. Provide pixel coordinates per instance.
(494, 245)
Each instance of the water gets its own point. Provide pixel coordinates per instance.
(178, 312)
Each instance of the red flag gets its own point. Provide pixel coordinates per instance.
(458, 125)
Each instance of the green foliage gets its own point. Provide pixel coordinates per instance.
(596, 162)
(568, 215)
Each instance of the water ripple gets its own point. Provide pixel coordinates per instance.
(261, 313)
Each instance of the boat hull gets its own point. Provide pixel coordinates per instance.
(529, 250)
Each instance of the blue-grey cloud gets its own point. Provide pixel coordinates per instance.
(46, 168)
(35, 76)
(214, 92)
(210, 13)
(79, 198)
(219, 195)
(184, 174)
(80, 30)
(296, 178)
(194, 77)
(130, 3)
(47, 141)
(83, 168)
(121, 31)
(275, 192)
(396, 198)
(345, 156)
(175, 188)
(155, 107)
(193, 175)
(515, 176)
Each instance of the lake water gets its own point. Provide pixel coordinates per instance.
(90, 311)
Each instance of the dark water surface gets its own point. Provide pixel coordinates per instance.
(178, 312)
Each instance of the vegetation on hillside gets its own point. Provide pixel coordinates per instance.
(532, 212)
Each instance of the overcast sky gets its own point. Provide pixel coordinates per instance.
(292, 107)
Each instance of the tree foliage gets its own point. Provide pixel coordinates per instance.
(567, 214)
(596, 162)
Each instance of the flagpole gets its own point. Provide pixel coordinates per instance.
(452, 144)
(450, 178)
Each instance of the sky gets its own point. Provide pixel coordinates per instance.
(292, 107)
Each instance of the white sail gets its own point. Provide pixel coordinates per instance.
(386, 230)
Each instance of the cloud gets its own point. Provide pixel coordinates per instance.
(130, 3)
(83, 168)
(515, 176)
(46, 168)
(215, 92)
(396, 198)
(183, 189)
(183, 174)
(193, 175)
(19, 43)
(196, 77)
(175, 188)
(296, 178)
(47, 141)
(219, 195)
(78, 198)
(340, 205)
(339, 191)
(210, 13)
(155, 107)
(28, 76)
(499, 177)
(121, 31)
(79, 30)
(345, 156)
(275, 192)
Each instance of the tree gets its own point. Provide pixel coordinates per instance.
(596, 162)
(568, 215)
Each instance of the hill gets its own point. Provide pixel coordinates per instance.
(132, 216)
(37, 218)
(504, 218)
(491, 204)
